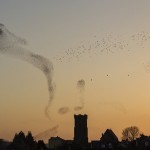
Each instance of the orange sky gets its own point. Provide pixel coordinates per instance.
(108, 46)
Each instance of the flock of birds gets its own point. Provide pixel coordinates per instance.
(108, 44)
(95, 46)
(81, 88)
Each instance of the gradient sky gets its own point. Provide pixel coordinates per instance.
(117, 96)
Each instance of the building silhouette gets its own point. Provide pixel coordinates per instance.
(108, 140)
(56, 142)
(81, 130)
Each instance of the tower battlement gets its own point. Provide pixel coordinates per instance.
(81, 116)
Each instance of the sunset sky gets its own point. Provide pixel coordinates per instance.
(105, 43)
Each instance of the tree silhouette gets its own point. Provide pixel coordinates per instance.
(19, 142)
(130, 133)
(31, 144)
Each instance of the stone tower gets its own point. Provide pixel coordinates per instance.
(81, 130)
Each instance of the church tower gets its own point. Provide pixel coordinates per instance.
(81, 130)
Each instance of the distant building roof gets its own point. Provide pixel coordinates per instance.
(56, 138)
(55, 142)
(109, 137)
